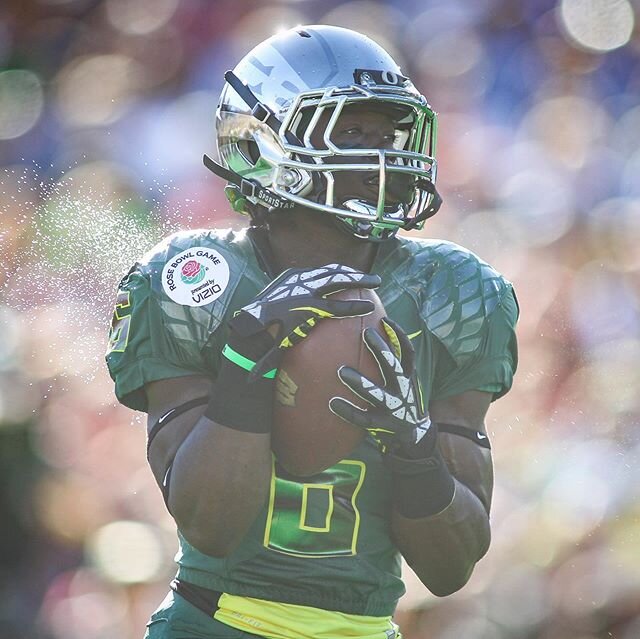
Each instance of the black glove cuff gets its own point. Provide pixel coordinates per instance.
(239, 404)
(421, 487)
(253, 347)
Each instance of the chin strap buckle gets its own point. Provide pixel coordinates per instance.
(261, 112)
(247, 188)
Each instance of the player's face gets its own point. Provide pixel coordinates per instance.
(362, 128)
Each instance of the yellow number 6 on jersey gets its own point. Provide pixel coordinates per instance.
(119, 333)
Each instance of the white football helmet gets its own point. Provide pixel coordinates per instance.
(291, 89)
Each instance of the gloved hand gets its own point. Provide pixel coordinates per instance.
(291, 306)
(422, 484)
(279, 317)
(397, 419)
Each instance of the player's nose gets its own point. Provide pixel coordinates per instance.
(374, 138)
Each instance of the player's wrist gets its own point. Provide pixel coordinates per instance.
(239, 400)
(244, 362)
(422, 486)
(252, 347)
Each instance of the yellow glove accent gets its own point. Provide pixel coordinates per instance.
(317, 311)
(381, 430)
(420, 396)
(394, 342)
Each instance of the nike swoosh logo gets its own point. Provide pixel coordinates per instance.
(173, 410)
(412, 335)
(481, 436)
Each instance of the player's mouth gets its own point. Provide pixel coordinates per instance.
(365, 185)
(398, 187)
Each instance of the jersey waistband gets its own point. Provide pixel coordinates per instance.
(376, 603)
(276, 620)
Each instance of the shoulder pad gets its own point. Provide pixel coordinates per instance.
(455, 290)
(193, 275)
(183, 240)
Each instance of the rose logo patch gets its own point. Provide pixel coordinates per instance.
(195, 277)
(192, 272)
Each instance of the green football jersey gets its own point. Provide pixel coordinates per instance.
(321, 541)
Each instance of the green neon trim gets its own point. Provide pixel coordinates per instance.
(244, 362)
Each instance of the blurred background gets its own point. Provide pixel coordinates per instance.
(106, 107)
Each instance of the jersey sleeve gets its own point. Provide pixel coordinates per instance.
(140, 349)
(492, 364)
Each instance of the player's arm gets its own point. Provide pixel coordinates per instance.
(212, 460)
(443, 548)
(441, 484)
(214, 478)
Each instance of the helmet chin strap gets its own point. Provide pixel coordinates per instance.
(247, 188)
(429, 211)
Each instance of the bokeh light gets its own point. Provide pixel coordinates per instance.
(96, 90)
(126, 552)
(599, 25)
(140, 17)
(21, 102)
(451, 53)
(568, 127)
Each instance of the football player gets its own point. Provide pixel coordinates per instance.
(329, 150)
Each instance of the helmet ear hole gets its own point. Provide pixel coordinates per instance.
(249, 150)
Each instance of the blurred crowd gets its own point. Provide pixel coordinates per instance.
(106, 107)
